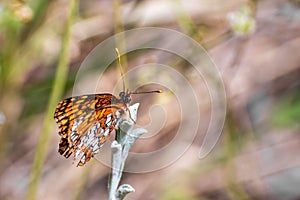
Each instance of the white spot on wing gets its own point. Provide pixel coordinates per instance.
(108, 118)
(76, 124)
(108, 123)
(106, 132)
(82, 159)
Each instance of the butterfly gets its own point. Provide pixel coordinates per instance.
(86, 122)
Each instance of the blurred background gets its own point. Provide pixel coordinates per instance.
(255, 44)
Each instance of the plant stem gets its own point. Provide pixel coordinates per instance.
(58, 88)
(126, 137)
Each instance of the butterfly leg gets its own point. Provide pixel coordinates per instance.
(130, 115)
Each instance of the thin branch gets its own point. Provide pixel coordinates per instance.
(126, 137)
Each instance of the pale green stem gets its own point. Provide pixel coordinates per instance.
(58, 88)
(126, 137)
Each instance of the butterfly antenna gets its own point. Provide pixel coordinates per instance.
(121, 68)
(153, 91)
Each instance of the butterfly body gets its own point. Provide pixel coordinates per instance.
(86, 122)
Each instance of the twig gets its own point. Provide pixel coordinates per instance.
(126, 136)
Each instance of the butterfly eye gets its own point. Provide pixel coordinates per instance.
(127, 99)
(122, 95)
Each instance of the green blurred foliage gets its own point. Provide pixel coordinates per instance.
(286, 111)
(178, 193)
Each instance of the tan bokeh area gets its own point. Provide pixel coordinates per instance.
(254, 46)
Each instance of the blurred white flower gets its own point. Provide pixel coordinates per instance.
(22, 11)
(242, 21)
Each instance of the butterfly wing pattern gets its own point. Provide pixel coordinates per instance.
(86, 122)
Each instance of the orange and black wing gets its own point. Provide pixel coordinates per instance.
(85, 123)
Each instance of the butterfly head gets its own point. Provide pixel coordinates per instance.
(125, 97)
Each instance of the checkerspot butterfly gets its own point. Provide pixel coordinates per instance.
(86, 122)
